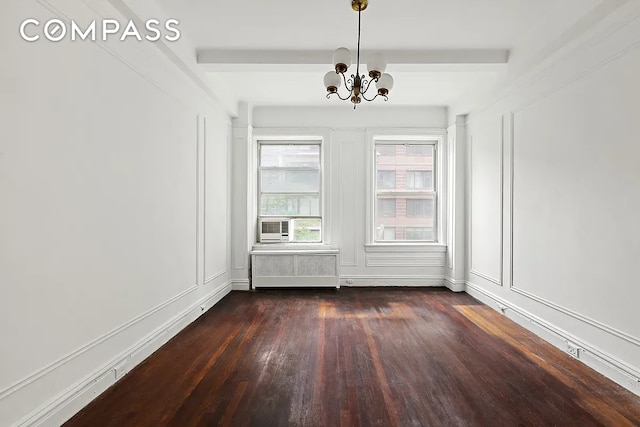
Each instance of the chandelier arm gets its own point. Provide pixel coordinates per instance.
(348, 84)
(385, 97)
(368, 83)
(367, 99)
(346, 97)
(337, 93)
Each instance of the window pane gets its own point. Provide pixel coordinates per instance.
(386, 208)
(288, 181)
(290, 205)
(386, 150)
(293, 156)
(397, 168)
(420, 180)
(419, 208)
(389, 233)
(386, 179)
(307, 230)
(419, 233)
(413, 218)
(420, 150)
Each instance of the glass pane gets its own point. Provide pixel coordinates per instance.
(292, 156)
(403, 166)
(290, 205)
(420, 180)
(419, 233)
(412, 219)
(287, 181)
(386, 179)
(420, 150)
(307, 230)
(386, 150)
(386, 207)
(419, 208)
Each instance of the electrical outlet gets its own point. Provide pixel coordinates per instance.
(203, 307)
(121, 369)
(349, 281)
(573, 350)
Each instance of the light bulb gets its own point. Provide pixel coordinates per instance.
(332, 81)
(384, 84)
(342, 59)
(376, 65)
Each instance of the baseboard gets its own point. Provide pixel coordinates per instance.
(65, 405)
(618, 371)
(455, 285)
(386, 281)
(240, 285)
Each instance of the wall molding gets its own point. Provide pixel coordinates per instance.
(204, 200)
(215, 276)
(615, 369)
(354, 235)
(404, 248)
(199, 203)
(500, 280)
(147, 345)
(349, 280)
(241, 285)
(66, 359)
(513, 287)
(452, 246)
(455, 285)
(425, 260)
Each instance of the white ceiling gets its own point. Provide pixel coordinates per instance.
(387, 24)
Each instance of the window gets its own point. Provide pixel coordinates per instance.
(405, 191)
(290, 187)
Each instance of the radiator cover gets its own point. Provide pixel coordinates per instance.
(294, 268)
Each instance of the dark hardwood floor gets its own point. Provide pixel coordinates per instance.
(370, 357)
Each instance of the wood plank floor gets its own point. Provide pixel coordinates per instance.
(369, 357)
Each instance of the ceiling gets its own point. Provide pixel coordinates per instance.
(276, 26)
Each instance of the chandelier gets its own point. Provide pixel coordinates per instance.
(358, 85)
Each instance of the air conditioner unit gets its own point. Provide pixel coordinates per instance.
(274, 230)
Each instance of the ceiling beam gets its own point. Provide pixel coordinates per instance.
(401, 60)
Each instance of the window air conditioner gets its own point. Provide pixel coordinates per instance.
(274, 230)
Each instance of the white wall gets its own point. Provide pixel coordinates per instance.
(346, 143)
(554, 200)
(111, 238)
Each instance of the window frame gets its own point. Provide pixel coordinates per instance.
(306, 141)
(407, 136)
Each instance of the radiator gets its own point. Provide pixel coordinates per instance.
(294, 268)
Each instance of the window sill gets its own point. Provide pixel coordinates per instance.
(405, 247)
(262, 248)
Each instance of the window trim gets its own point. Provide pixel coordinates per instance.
(435, 137)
